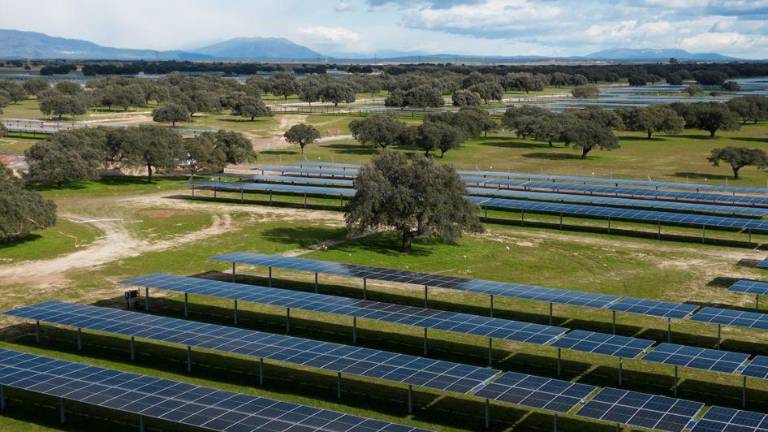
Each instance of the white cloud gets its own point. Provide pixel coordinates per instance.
(344, 6)
(338, 35)
(493, 15)
(716, 41)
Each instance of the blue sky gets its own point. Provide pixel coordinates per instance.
(479, 27)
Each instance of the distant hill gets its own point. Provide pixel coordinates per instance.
(32, 45)
(257, 48)
(630, 54)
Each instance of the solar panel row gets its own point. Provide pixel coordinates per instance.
(732, 317)
(399, 368)
(319, 172)
(631, 215)
(720, 419)
(173, 401)
(536, 392)
(743, 200)
(310, 181)
(621, 202)
(387, 312)
(750, 286)
(616, 182)
(698, 358)
(267, 187)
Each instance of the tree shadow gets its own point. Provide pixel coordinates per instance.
(279, 152)
(354, 149)
(751, 139)
(722, 282)
(553, 156)
(387, 244)
(512, 143)
(641, 138)
(7, 244)
(693, 175)
(107, 180)
(304, 236)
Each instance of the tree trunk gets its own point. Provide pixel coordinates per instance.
(442, 154)
(253, 117)
(584, 152)
(650, 134)
(550, 143)
(712, 133)
(407, 241)
(149, 173)
(173, 123)
(735, 171)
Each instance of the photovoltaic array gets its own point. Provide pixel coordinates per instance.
(387, 312)
(640, 409)
(400, 368)
(270, 187)
(720, 419)
(698, 358)
(653, 307)
(750, 286)
(757, 368)
(601, 343)
(173, 401)
(536, 392)
(732, 317)
(292, 170)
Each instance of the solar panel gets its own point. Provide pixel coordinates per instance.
(615, 182)
(318, 172)
(697, 358)
(505, 289)
(632, 215)
(398, 314)
(328, 164)
(269, 187)
(743, 200)
(726, 210)
(536, 392)
(750, 286)
(720, 419)
(757, 368)
(653, 307)
(763, 264)
(334, 357)
(600, 343)
(640, 409)
(311, 181)
(732, 317)
(173, 401)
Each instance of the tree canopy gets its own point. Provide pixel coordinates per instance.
(21, 211)
(302, 134)
(412, 195)
(653, 119)
(382, 130)
(172, 113)
(738, 158)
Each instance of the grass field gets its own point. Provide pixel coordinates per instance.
(65, 237)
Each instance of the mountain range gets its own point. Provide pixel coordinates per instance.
(15, 44)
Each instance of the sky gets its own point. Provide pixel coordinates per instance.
(381, 27)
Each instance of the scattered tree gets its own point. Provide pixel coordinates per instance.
(693, 90)
(157, 148)
(382, 130)
(738, 158)
(302, 134)
(250, 107)
(654, 118)
(171, 112)
(53, 102)
(714, 116)
(235, 146)
(731, 86)
(585, 91)
(465, 98)
(587, 136)
(414, 196)
(21, 211)
(203, 154)
(35, 85)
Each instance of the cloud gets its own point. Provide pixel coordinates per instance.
(344, 6)
(716, 41)
(332, 34)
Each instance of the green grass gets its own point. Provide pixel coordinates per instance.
(163, 223)
(260, 126)
(65, 237)
(16, 144)
(112, 186)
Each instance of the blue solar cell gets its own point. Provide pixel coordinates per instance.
(536, 392)
(732, 317)
(328, 164)
(504, 289)
(727, 210)
(720, 419)
(317, 172)
(750, 286)
(614, 182)
(633, 215)
(653, 307)
(398, 314)
(346, 359)
(743, 200)
(763, 264)
(270, 187)
(640, 409)
(757, 368)
(173, 401)
(600, 343)
(698, 358)
(310, 181)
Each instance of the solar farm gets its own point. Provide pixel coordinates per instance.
(278, 342)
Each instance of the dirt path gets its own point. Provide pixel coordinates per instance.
(276, 139)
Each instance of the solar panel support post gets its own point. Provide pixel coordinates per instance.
(341, 202)
(561, 221)
(133, 348)
(613, 322)
(186, 305)
(37, 331)
(703, 232)
(744, 391)
(354, 330)
(658, 230)
(426, 296)
(554, 423)
(490, 309)
(676, 380)
(214, 193)
(749, 236)
(317, 288)
(426, 341)
(62, 413)
(365, 289)
(79, 339)
(270, 276)
(146, 299)
(550, 313)
(609, 225)
(270, 197)
(193, 191)
(305, 200)
(287, 320)
(757, 301)
(234, 271)
(2, 398)
(234, 311)
(189, 359)
(719, 327)
(559, 361)
(141, 423)
(261, 371)
(522, 218)
(487, 414)
(621, 369)
(410, 399)
(338, 385)
(490, 352)
(669, 329)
